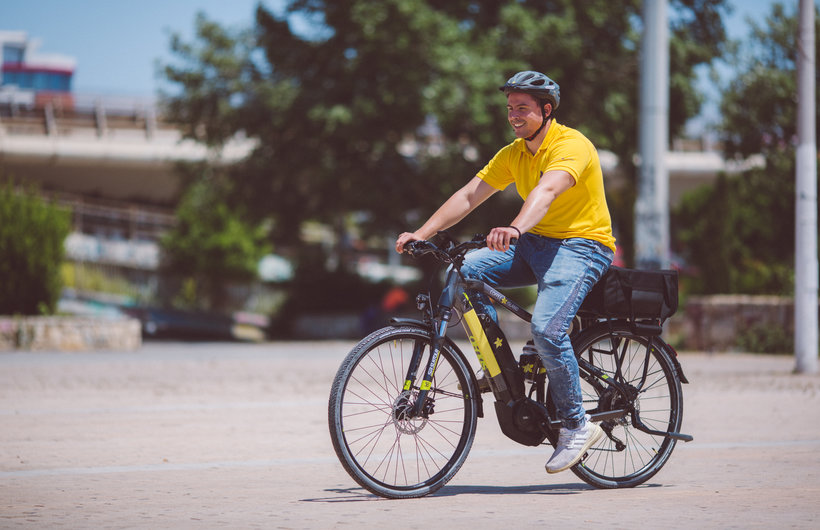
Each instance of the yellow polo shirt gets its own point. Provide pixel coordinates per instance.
(581, 211)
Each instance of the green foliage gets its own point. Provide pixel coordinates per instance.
(93, 277)
(340, 115)
(759, 107)
(766, 338)
(733, 247)
(32, 233)
(211, 244)
(739, 234)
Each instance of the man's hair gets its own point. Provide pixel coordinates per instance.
(544, 101)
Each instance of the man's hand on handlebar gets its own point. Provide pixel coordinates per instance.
(501, 237)
(404, 239)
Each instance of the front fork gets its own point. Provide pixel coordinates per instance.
(430, 370)
(439, 328)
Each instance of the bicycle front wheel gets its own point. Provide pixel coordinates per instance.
(380, 444)
(627, 455)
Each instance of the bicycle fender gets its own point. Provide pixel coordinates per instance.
(673, 354)
(395, 321)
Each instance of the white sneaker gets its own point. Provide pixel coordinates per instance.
(572, 444)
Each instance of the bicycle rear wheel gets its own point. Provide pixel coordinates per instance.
(380, 446)
(627, 455)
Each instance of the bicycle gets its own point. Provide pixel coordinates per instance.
(404, 403)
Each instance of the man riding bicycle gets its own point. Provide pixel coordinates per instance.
(565, 242)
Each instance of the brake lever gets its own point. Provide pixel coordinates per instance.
(418, 248)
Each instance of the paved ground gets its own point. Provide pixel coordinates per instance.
(235, 436)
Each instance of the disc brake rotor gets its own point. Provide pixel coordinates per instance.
(402, 415)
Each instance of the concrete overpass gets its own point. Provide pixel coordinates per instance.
(124, 154)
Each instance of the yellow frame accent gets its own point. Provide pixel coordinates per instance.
(480, 343)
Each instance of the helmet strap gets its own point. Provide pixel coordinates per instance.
(543, 123)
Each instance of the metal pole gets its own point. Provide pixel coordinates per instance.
(806, 266)
(652, 204)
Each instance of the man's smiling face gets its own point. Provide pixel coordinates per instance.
(523, 114)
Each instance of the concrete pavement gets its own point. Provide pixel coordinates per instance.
(214, 435)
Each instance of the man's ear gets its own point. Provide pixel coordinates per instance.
(547, 109)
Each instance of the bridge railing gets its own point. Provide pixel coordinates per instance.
(65, 114)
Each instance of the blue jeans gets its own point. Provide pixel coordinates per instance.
(564, 271)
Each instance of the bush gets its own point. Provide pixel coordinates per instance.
(211, 245)
(766, 338)
(32, 233)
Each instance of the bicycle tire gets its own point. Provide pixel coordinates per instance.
(386, 454)
(639, 455)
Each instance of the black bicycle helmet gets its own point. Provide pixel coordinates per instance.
(535, 84)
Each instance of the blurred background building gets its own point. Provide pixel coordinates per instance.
(111, 159)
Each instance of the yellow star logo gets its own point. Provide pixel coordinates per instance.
(498, 342)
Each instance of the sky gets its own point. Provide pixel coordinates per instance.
(117, 42)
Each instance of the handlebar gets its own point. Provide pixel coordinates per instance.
(449, 250)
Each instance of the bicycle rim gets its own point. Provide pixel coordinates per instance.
(627, 456)
(384, 451)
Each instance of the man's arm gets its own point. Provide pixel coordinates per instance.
(451, 212)
(551, 185)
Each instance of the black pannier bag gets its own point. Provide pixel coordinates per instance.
(635, 295)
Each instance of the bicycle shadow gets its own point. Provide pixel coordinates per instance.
(530, 489)
(362, 495)
(346, 495)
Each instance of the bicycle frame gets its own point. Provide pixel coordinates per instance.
(522, 419)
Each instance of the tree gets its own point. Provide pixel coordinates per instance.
(393, 104)
(212, 244)
(32, 233)
(739, 235)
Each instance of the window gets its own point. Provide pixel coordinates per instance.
(12, 54)
(39, 80)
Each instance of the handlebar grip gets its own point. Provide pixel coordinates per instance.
(417, 248)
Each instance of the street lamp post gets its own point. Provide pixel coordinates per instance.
(652, 204)
(806, 267)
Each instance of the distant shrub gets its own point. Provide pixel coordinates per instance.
(32, 235)
(766, 338)
(211, 245)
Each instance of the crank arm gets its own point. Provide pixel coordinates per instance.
(596, 417)
(607, 415)
(674, 435)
